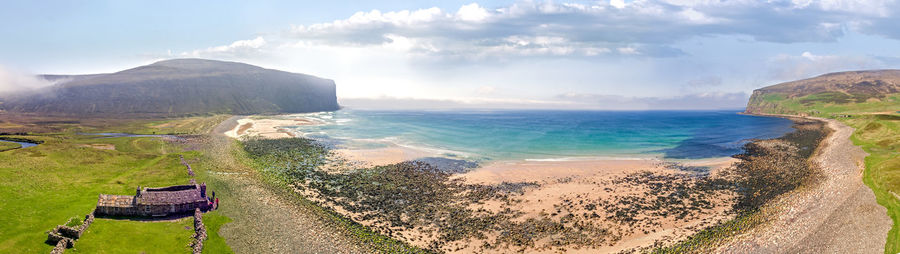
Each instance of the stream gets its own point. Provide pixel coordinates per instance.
(23, 144)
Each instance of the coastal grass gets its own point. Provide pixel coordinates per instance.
(713, 236)
(126, 236)
(221, 157)
(879, 135)
(133, 124)
(45, 185)
(186, 125)
(877, 124)
(278, 183)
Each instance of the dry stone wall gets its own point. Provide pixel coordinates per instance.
(190, 171)
(199, 232)
(64, 236)
(62, 245)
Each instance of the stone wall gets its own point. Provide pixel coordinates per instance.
(64, 236)
(62, 245)
(199, 232)
(190, 171)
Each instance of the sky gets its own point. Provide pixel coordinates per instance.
(616, 54)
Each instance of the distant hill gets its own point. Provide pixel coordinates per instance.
(179, 87)
(845, 92)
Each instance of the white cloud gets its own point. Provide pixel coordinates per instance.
(235, 48)
(529, 48)
(880, 8)
(521, 29)
(627, 51)
(486, 90)
(472, 13)
(636, 28)
(697, 17)
(786, 67)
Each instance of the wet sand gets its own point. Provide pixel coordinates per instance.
(382, 156)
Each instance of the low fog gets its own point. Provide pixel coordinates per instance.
(17, 81)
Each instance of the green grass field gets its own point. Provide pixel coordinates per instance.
(45, 185)
(877, 124)
(215, 243)
(123, 236)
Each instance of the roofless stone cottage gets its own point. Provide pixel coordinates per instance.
(178, 199)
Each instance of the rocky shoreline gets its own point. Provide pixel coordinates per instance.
(836, 214)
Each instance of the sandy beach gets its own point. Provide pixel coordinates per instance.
(564, 182)
(564, 188)
(555, 189)
(265, 127)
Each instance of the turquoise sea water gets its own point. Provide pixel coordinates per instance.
(548, 135)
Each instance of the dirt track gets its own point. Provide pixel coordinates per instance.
(838, 215)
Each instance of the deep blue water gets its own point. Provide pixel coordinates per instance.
(549, 135)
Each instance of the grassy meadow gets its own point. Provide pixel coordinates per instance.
(124, 236)
(45, 185)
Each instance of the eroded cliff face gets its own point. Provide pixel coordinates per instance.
(756, 105)
(179, 87)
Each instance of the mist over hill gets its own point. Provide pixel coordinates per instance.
(872, 90)
(179, 87)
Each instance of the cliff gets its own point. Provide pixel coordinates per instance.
(180, 87)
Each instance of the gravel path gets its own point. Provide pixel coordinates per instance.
(265, 222)
(838, 215)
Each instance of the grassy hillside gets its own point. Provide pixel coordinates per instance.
(875, 116)
(823, 104)
(180, 87)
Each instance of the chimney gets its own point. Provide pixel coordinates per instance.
(203, 190)
(138, 193)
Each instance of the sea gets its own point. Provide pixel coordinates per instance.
(546, 135)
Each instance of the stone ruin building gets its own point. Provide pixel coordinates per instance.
(179, 199)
